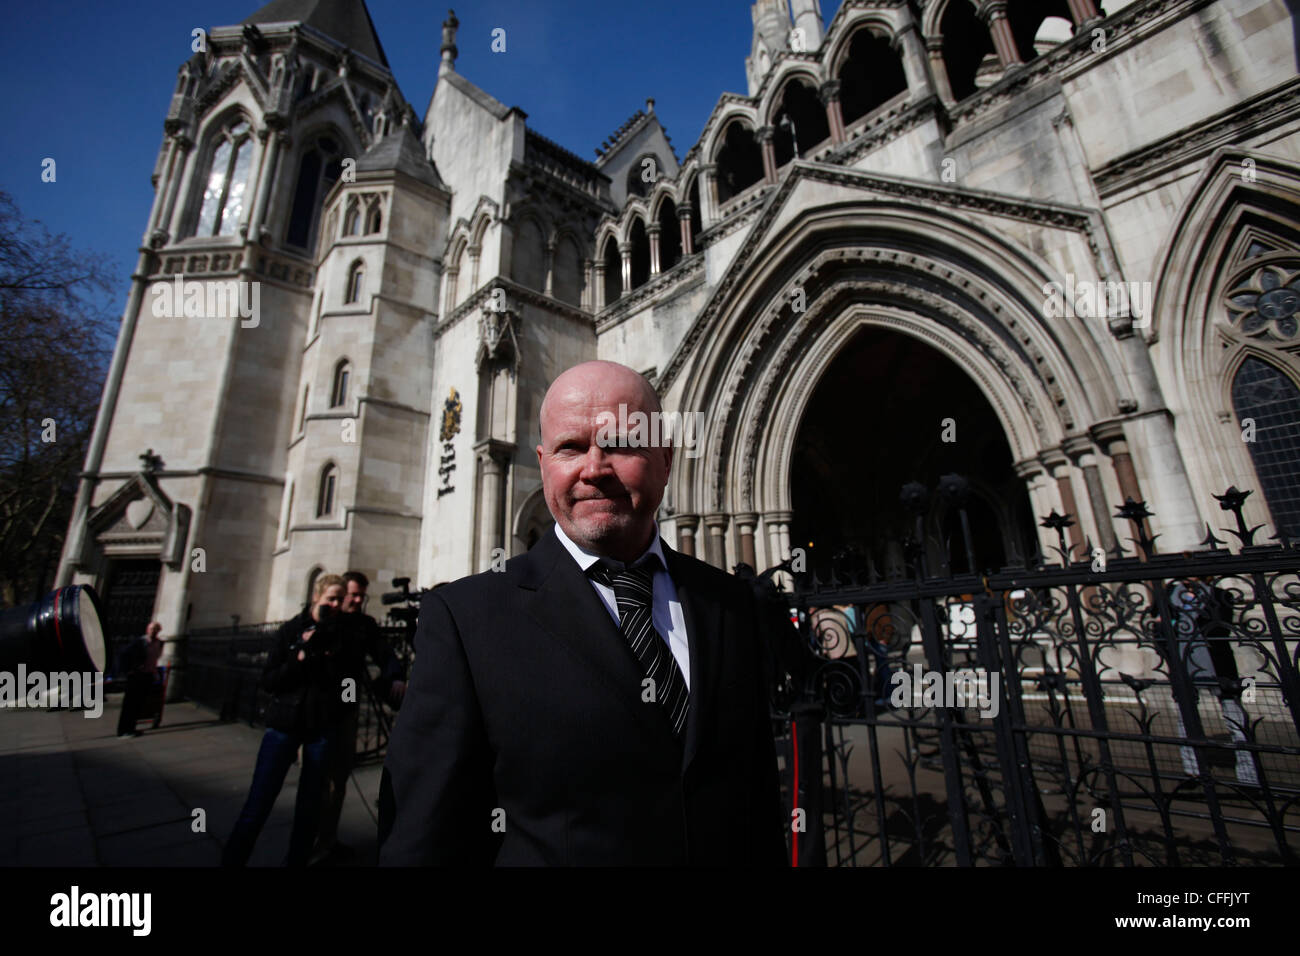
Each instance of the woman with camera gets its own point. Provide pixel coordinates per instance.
(304, 675)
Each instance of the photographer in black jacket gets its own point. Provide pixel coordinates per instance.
(361, 639)
(304, 673)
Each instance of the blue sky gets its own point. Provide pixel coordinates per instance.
(89, 84)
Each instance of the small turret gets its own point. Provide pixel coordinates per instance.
(448, 49)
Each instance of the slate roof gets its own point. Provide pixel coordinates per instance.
(347, 21)
(400, 150)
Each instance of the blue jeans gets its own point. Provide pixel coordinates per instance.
(273, 762)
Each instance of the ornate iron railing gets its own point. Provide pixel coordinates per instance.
(1118, 710)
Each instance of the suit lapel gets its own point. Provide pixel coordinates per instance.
(563, 602)
(703, 615)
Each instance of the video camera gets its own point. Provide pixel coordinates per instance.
(410, 601)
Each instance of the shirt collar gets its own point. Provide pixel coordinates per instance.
(587, 558)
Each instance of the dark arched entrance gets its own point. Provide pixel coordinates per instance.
(879, 419)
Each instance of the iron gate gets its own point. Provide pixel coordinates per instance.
(1122, 709)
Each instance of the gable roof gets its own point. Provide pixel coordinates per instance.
(347, 21)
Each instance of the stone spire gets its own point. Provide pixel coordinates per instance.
(807, 24)
(449, 51)
(771, 36)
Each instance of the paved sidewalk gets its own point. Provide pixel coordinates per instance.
(73, 794)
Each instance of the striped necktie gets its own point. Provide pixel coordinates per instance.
(633, 591)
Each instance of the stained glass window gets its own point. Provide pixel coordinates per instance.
(1263, 393)
(227, 181)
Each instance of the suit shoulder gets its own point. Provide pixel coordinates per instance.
(485, 585)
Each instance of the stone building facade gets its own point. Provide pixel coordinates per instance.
(1051, 246)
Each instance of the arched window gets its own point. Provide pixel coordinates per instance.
(302, 418)
(356, 279)
(286, 514)
(1026, 19)
(740, 161)
(1268, 397)
(374, 219)
(226, 181)
(319, 169)
(640, 253)
(613, 260)
(329, 478)
(339, 391)
(352, 223)
(872, 74)
(968, 51)
(670, 235)
(529, 256)
(312, 575)
(567, 278)
(799, 122)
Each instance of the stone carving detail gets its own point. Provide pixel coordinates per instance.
(923, 194)
(1265, 302)
(497, 342)
(799, 334)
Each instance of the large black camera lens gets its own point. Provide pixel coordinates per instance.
(61, 632)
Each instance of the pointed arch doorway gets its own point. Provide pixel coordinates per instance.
(890, 409)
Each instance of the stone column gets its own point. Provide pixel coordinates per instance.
(625, 250)
(1101, 510)
(764, 137)
(652, 231)
(263, 177)
(171, 215)
(156, 215)
(912, 51)
(550, 268)
(716, 545)
(494, 458)
(709, 194)
(598, 289)
(777, 524)
(745, 525)
(1110, 436)
(994, 13)
(474, 253)
(939, 70)
(686, 525)
(830, 97)
(449, 290)
(1058, 466)
(1083, 11)
(588, 286)
(684, 219)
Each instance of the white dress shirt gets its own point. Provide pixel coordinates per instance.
(665, 609)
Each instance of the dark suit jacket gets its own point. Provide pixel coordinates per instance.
(525, 698)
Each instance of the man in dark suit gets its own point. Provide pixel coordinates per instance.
(602, 700)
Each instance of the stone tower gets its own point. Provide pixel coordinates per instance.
(239, 304)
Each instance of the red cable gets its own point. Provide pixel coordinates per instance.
(794, 794)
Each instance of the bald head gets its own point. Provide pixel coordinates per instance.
(597, 377)
(602, 494)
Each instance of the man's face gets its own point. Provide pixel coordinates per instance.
(153, 630)
(355, 599)
(330, 600)
(604, 499)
